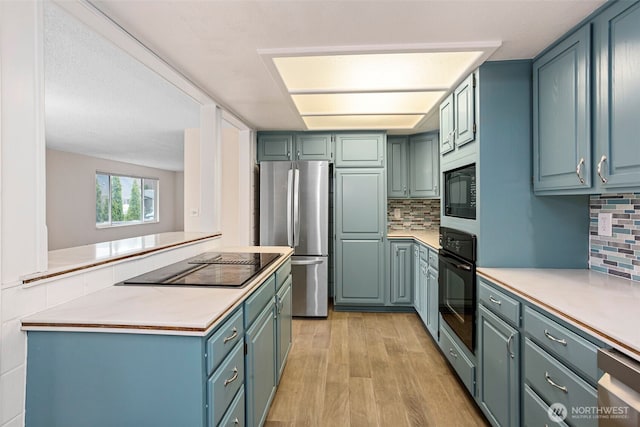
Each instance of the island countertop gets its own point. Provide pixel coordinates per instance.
(173, 310)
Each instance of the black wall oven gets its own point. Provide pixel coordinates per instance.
(460, 192)
(456, 283)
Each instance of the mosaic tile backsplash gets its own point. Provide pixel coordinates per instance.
(619, 254)
(415, 214)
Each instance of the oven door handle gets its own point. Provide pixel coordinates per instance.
(451, 260)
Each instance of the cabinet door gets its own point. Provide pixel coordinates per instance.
(313, 146)
(562, 115)
(446, 125)
(261, 366)
(424, 291)
(359, 272)
(397, 167)
(275, 146)
(432, 302)
(417, 291)
(499, 369)
(360, 150)
(401, 274)
(361, 205)
(464, 112)
(283, 326)
(424, 166)
(617, 48)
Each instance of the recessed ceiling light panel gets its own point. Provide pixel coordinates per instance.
(366, 103)
(402, 121)
(373, 72)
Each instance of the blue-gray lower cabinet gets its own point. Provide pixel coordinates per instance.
(77, 379)
(261, 365)
(359, 272)
(432, 301)
(423, 285)
(401, 273)
(283, 326)
(417, 290)
(498, 369)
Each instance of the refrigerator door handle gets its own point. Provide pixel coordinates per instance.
(289, 208)
(307, 262)
(296, 207)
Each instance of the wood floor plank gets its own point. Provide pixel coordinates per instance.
(369, 369)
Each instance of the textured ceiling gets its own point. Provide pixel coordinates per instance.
(101, 102)
(215, 43)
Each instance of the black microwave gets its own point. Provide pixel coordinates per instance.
(460, 192)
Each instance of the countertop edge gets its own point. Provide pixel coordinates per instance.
(625, 348)
(412, 234)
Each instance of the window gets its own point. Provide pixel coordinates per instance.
(125, 200)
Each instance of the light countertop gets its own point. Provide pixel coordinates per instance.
(428, 237)
(153, 309)
(67, 260)
(604, 306)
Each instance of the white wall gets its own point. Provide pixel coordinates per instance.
(230, 186)
(71, 218)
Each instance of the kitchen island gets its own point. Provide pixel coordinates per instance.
(161, 356)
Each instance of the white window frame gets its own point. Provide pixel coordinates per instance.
(156, 208)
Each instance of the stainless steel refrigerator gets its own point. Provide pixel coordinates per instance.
(294, 212)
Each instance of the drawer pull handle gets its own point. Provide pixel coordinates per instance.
(453, 353)
(495, 301)
(231, 337)
(509, 341)
(550, 381)
(554, 339)
(233, 377)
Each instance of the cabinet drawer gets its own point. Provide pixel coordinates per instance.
(225, 383)
(224, 340)
(283, 273)
(235, 414)
(461, 364)
(433, 259)
(536, 411)
(254, 305)
(424, 253)
(557, 339)
(555, 383)
(499, 302)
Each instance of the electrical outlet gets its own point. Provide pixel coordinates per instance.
(397, 214)
(604, 224)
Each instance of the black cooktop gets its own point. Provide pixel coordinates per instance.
(224, 269)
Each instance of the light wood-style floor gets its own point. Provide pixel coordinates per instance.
(368, 369)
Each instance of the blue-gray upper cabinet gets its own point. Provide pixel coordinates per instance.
(360, 150)
(313, 146)
(464, 111)
(562, 115)
(446, 125)
(397, 167)
(499, 369)
(457, 116)
(360, 203)
(401, 273)
(275, 146)
(424, 165)
(617, 60)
